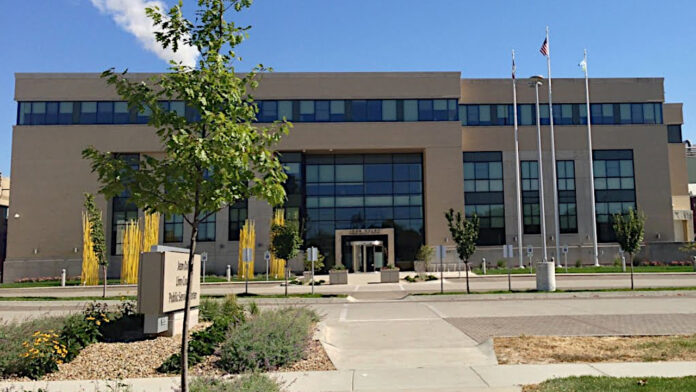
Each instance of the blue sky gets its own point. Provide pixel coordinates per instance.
(624, 38)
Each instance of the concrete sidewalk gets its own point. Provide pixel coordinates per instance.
(493, 378)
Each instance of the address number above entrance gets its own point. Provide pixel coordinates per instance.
(365, 231)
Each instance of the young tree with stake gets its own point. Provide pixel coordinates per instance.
(630, 229)
(97, 234)
(208, 162)
(464, 233)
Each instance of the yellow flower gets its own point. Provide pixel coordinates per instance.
(36, 333)
(97, 322)
(59, 362)
(90, 318)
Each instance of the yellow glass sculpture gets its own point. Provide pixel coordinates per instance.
(150, 231)
(277, 265)
(90, 267)
(247, 239)
(132, 243)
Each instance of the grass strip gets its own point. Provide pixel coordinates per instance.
(623, 384)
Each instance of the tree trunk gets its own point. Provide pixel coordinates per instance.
(630, 255)
(466, 265)
(187, 311)
(104, 291)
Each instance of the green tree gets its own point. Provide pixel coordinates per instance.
(425, 254)
(464, 233)
(630, 229)
(97, 233)
(208, 162)
(286, 241)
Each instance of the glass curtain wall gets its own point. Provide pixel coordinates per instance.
(483, 194)
(360, 191)
(615, 191)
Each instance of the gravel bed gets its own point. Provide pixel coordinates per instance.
(140, 359)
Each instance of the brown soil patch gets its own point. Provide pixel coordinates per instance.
(557, 349)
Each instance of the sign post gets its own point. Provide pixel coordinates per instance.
(267, 257)
(441, 254)
(313, 255)
(565, 257)
(530, 254)
(204, 258)
(246, 259)
(623, 260)
(509, 254)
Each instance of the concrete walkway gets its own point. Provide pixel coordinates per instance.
(482, 378)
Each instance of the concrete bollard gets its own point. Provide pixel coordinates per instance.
(229, 273)
(62, 277)
(483, 265)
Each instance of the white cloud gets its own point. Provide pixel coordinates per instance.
(130, 15)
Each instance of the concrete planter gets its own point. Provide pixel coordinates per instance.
(419, 267)
(307, 276)
(389, 276)
(338, 277)
(546, 276)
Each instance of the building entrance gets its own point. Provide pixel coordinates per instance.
(368, 256)
(365, 250)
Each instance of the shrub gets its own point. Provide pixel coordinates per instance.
(253, 382)
(203, 343)
(501, 263)
(318, 265)
(578, 263)
(43, 353)
(13, 334)
(272, 339)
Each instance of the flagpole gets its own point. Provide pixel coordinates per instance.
(553, 157)
(517, 164)
(595, 255)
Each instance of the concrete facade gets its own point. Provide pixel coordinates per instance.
(50, 176)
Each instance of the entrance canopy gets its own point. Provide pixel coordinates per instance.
(361, 238)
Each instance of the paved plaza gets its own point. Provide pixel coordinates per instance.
(387, 340)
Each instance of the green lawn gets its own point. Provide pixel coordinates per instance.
(606, 384)
(685, 288)
(50, 283)
(236, 278)
(589, 270)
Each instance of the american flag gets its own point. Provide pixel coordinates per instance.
(545, 47)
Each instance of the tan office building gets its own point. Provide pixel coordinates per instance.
(374, 160)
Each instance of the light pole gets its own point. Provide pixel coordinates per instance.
(545, 272)
(536, 81)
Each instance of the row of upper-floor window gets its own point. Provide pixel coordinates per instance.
(94, 112)
(563, 114)
(375, 110)
(356, 110)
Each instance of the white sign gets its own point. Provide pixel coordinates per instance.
(313, 254)
(204, 257)
(508, 251)
(247, 255)
(565, 249)
(530, 250)
(440, 252)
(267, 256)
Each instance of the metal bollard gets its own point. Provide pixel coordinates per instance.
(483, 265)
(62, 277)
(229, 273)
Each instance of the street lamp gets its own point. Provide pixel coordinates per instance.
(545, 273)
(536, 81)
